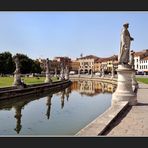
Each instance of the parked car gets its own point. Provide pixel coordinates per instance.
(98, 74)
(72, 72)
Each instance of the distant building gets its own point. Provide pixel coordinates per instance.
(55, 63)
(74, 65)
(107, 63)
(141, 61)
(64, 60)
(87, 63)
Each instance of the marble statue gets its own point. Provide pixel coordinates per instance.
(62, 72)
(131, 62)
(125, 42)
(17, 73)
(66, 73)
(17, 64)
(113, 72)
(102, 71)
(47, 79)
(55, 72)
(126, 89)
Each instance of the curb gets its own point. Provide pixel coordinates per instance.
(103, 122)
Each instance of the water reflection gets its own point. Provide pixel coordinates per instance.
(91, 88)
(85, 88)
(48, 105)
(18, 116)
(19, 103)
(62, 98)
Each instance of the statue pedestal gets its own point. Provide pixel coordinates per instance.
(134, 82)
(17, 80)
(66, 77)
(47, 79)
(91, 75)
(124, 91)
(62, 77)
(112, 77)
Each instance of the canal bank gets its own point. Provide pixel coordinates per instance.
(54, 113)
(122, 119)
(133, 123)
(12, 92)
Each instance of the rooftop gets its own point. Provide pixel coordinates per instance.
(141, 53)
(89, 57)
(114, 57)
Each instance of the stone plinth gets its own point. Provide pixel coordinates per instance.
(55, 75)
(48, 79)
(124, 91)
(134, 82)
(17, 79)
(66, 76)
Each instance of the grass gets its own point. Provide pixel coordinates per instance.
(8, 81)
(143, 80)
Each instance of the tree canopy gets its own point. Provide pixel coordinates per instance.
(27, 65)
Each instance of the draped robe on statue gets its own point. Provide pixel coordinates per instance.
(124, 46)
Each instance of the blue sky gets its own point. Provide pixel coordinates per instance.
(48, 34)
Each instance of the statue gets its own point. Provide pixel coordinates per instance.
(132, 59)
(47, 80)
(17, 73)
(66, 73)
(113, 72)
(55, 72)
(102, 71)
(62, 72)
(47, 65)
(125, 90)
(17, 64)
(125, 45)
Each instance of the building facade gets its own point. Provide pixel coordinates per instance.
(141, 61)
(74, 65)
(106, 63)
(87, 64)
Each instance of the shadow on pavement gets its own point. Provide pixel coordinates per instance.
(116, 121)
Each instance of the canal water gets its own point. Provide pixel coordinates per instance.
(63, 112)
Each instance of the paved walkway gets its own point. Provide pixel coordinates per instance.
(135, 121)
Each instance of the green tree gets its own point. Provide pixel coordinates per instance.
(36, 67)
(28, 65)
(7, 65)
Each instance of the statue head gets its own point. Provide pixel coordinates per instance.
(126, 25)
(16, 59)
(132, 52)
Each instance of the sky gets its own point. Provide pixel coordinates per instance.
(49, 34)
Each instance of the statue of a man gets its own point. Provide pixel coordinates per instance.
(125, 45)
(47, 65)
(131, 62)
(17, 63)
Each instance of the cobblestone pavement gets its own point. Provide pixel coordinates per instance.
(135, 122)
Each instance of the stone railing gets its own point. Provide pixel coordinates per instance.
(106, 79)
